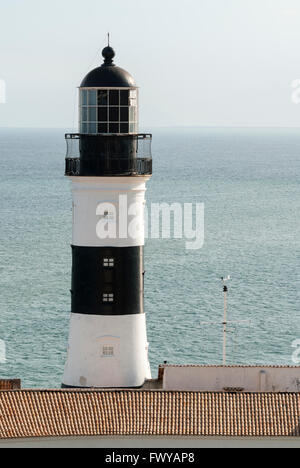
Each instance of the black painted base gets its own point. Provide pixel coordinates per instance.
(70, 387)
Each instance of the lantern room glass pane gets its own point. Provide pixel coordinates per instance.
(92, 128)
(132, 114)
(84, 97)
(114, 98)
(113, 128)
(92, 114)
(124, 98)
(102, 128)
(102, 114)
(102, 97)
(92, 98)
(124, 114)
(84, 114)
(114, 114)
(124, 127)
(132, 128)
(83, 128)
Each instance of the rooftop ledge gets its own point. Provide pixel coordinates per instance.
(209, 379)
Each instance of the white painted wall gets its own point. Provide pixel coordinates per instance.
(215, 379)
(90, 192)
(87, 366)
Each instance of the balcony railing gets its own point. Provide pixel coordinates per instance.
(108, 155)
(111, 167)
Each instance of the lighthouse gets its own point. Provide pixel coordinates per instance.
(108, 163)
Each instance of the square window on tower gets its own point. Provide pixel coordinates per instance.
(107, 351)
(114, 98)
(102, 97)
(107, 298)
(108, 262)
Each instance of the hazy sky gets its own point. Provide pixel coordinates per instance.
(198, 62)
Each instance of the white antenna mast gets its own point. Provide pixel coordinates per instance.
(225, 290)
(225, 321)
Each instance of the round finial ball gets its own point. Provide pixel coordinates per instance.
(108, 53)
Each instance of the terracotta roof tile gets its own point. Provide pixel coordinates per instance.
(52, 413)
(10, 384)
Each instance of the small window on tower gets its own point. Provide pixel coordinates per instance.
(108, 262)
(108, 298)
(107, 351)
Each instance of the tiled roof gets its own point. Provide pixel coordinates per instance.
(52, 413)
(10, 384)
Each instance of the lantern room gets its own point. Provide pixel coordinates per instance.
(108, 100)
(108, 142)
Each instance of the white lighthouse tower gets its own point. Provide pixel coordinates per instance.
(108, 344)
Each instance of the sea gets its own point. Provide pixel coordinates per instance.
(249, 183)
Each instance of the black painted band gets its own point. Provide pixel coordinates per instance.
(108, 280)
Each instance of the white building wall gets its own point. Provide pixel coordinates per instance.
(216, 379)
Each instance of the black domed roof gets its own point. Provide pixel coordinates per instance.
(108, 75)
